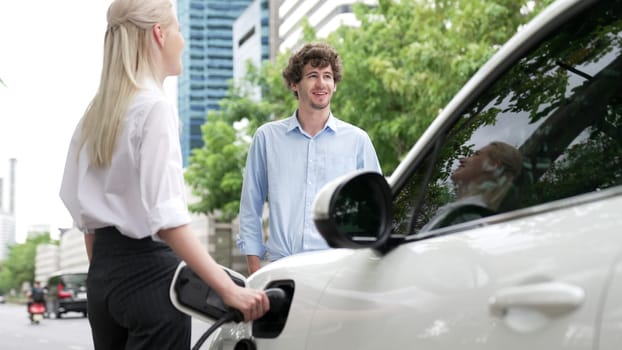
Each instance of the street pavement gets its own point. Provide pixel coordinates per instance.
(72, 332)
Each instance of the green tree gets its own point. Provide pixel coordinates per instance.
(215, 175)
(408, 59)
(19, 267)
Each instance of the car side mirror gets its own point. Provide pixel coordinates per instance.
(355, 211)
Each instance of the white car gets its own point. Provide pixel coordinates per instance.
(418, 267)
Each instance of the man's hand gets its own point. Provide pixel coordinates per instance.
(253, 263)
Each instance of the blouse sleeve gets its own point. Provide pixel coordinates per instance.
(71, 179)
(160, 170)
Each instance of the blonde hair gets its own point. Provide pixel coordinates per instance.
(494, 188)
(510, 163)
(128, 47)
(508, 156)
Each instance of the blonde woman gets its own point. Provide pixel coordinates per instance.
(488, 173)
(481, 182)
(124, 188)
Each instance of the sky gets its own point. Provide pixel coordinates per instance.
(50, 61)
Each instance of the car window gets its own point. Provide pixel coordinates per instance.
(74, 280)
(549, 128)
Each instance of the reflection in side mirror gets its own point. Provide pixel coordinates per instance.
(354, 211)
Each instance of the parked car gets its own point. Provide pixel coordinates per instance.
(66, 292)
(2, 299)
(417, 267)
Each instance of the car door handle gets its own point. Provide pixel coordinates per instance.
(550, 298)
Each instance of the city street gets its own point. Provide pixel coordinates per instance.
(72, 332)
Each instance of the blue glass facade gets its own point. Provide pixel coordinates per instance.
(207, 60)
(265, 29)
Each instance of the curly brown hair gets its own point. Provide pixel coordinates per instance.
(318, 55)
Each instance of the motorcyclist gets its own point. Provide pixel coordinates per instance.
(36, 294)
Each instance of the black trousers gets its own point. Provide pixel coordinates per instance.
(128, 295)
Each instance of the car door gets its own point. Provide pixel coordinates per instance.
(610, 328)
(536, 269)
(504, 286)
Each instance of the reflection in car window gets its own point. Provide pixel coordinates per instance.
(559, 107)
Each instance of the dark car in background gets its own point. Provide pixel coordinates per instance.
(66, 292)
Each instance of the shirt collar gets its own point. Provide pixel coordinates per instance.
(293, 123)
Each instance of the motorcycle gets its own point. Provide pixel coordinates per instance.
(36, 310)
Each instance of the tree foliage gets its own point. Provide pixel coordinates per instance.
(576, 143)
(407, 60)
(401, 66)
(19, 267)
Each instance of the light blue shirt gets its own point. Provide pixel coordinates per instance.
(287, 166)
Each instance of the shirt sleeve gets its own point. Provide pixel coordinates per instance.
(160, 169)
(70, 180)
(254, 192)
(368, 157)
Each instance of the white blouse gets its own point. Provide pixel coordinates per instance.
(142, 191)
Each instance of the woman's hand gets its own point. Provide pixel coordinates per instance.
(252, 303)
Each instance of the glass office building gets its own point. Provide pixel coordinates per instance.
(323, 15)
(251, 40)
(207, 60)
